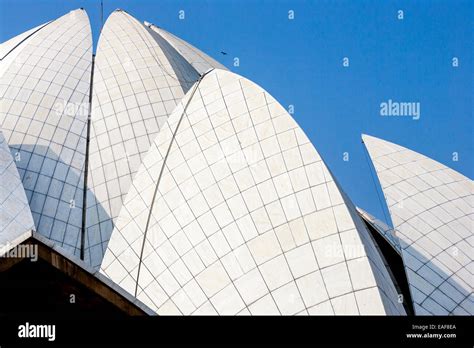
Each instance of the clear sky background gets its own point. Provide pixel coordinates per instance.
(300, 62)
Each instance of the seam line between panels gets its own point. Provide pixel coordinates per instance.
(26, 38)
(86, 162)
(196, 86)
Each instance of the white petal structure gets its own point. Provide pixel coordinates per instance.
(9, 49)
(15, 214)
(42, 91)
(9, 46)
(432, 209)
(138, 80)
(199, 60)
(203, 194)
(233, 212)
(383, 229)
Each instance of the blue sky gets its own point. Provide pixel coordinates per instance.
(300, 62)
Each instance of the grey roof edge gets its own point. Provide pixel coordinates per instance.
(5, 248)
(93, 272)
(55, 247)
